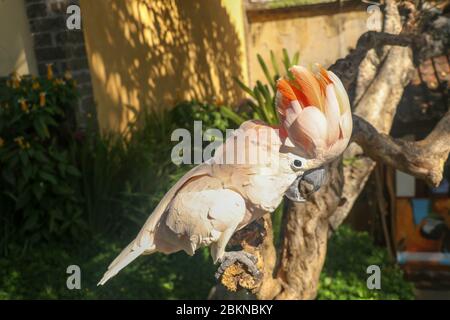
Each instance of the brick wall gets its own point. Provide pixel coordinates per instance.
(64, 48)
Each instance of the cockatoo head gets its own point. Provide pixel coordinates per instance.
(316, 118)
(307, 178)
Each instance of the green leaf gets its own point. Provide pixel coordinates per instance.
(233, 116)
(24, 159)
(286, 60)
(62, 189)
(38, 191)
(296, 58)
(39, 155)
(41, 128)
(62, 169)
(9, 176)
(48, 177)
(30, 222)
(265, 70)
(73, 171)
(22, 200)
(263, 97)
(50, 121)
(274, 64)
(244, 87)
(10, 195)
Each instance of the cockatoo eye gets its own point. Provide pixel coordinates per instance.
(297, 164)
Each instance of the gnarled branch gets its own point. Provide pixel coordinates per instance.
(423, 159)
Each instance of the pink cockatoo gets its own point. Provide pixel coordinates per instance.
(250, 173)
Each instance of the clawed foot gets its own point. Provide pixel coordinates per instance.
(247, 259)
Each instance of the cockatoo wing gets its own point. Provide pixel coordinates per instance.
(203, 212)
(144, 240)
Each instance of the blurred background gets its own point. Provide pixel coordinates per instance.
(85, 122)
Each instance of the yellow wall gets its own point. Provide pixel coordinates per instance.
(321, 38)
(150, 54)
(16, 51)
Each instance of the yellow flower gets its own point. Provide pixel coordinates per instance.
(49, 71)
(68, 75)
(35, 85)
(42, 99)
(24, 105)
(2, 142)
(15, 80)
(59, 81)
(20, 142)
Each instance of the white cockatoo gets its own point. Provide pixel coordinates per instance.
(250, 173)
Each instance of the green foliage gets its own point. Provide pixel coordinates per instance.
(263, 94)
(42, 274)
(344, 276)
(120, 173)
(37, 194)
(212, 116)
(55, 183)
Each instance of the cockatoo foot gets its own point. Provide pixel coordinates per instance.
(245, 258)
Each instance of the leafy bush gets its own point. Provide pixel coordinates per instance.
(344, 274)
(56, 182)
(212, 116)
(262, 102)
(38, 195)
(120, 174)
(42, 274)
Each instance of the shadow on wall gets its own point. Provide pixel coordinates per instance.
(151, 54)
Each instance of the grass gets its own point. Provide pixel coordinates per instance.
(41, 274)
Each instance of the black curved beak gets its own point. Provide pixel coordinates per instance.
(306, 184)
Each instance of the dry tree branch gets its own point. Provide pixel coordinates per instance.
(381, 78)
(423, 159)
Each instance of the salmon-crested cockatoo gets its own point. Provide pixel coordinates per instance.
(250, 173)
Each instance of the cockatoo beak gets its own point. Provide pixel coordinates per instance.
(293, 192)
(312, 180)
(306, 184)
